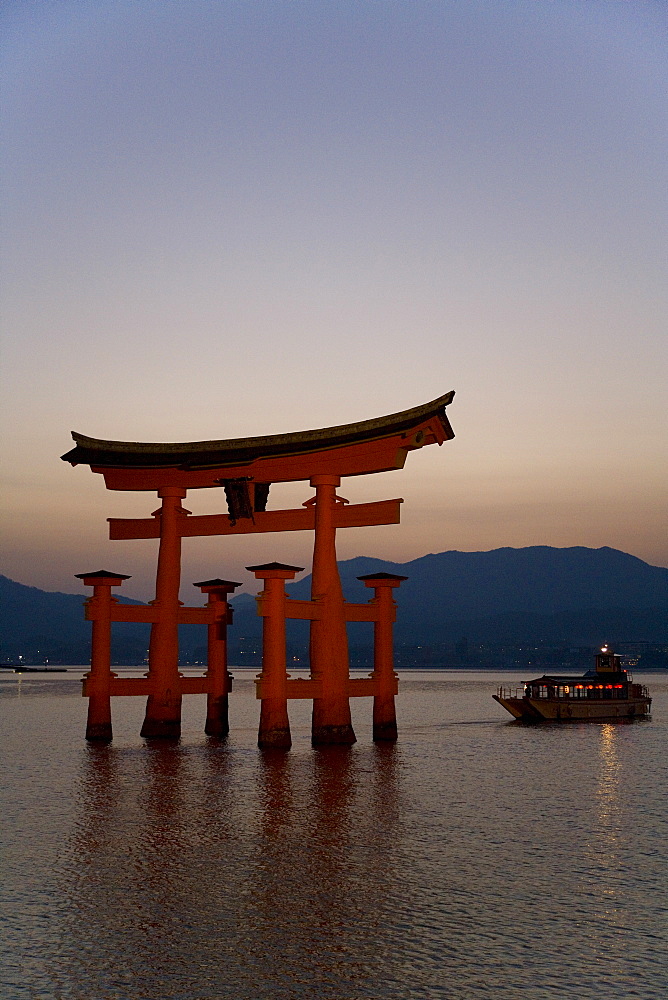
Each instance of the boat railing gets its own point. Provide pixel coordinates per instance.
(576, 692)
(510, 692)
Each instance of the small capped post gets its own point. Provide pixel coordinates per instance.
(384, 712)
(220, 680)
(274, 731)
(97, 682)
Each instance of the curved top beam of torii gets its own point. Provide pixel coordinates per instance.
(368, 446)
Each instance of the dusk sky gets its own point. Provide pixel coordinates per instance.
(224, 219)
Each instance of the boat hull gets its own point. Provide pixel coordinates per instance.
(580, 710)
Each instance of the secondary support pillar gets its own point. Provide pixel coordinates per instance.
(163, 706)
(274, 732)
(97, 683)
(331, 723)
(384, 713)
(220, 681)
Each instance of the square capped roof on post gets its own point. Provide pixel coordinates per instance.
(282, 571)
(102, 576)
(382, 579)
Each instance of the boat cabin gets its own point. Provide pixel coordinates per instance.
(607, 680)
(578, 687)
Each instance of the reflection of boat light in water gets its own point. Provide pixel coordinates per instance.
(607, 793)
(603, 694)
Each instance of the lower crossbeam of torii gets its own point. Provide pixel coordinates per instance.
(246, 468)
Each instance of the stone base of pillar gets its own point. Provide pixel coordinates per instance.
(331, 724)
(161, 729)
(274, 731)
(98, 721)
(216, 727)
(325, 735)
(384, 719)
(385, 732)
(274, 739)
(99, 732)
(217, 719)
(162, 721)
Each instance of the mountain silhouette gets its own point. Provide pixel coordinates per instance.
(574, 596)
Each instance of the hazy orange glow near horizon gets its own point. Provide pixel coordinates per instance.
(230, 219)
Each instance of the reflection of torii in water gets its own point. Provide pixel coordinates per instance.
(246, 467)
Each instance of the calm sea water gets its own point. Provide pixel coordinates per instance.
(476, 858)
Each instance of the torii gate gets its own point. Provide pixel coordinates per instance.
(246, 467)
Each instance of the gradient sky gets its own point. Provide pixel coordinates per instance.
(233, 218)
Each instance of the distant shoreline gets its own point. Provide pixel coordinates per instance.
(200, 669)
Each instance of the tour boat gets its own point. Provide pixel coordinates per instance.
(601, 695)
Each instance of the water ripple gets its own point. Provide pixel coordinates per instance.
(473, 859)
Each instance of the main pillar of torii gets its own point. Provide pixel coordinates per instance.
(245, 468)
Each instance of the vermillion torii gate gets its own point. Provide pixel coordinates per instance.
(246, 468)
